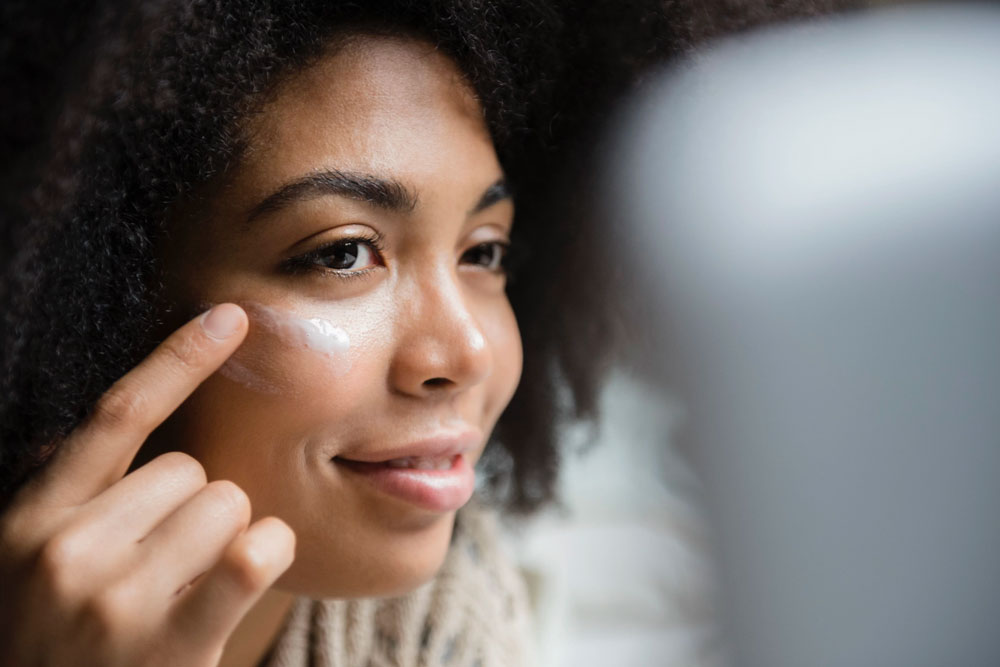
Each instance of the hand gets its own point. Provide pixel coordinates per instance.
(155, 567)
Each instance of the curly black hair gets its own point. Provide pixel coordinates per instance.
(117, 111)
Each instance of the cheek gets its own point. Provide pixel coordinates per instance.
(303, 357)
(293, 377)
(502, 333)
(286, 354)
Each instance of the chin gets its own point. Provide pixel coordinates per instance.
(386, 565)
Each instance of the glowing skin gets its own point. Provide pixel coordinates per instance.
(314, 333)
(328, 344)
(404, 290)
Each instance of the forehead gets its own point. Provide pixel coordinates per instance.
(372, 105)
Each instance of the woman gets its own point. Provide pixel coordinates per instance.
(259, 331)
(327, 184)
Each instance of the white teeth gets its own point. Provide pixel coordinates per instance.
(421, 463)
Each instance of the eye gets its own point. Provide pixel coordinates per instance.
(352, 255)
(486, 255)
(348, 255)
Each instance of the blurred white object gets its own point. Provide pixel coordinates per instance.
(820, 207)
(622, 576)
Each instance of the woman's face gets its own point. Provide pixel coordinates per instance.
(361, 233)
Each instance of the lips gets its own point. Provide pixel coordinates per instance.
(432, 474)
(422, 462)
(441, 445)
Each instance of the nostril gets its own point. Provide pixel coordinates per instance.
(433, 383)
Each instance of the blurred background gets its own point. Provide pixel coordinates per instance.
(876, 141)
(621, 574)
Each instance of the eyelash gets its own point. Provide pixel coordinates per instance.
(504, 247)
(312, 260)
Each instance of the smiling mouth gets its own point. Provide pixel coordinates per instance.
(441, 483)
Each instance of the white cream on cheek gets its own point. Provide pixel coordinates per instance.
(236, 370)
(327, 344)
(315, 333)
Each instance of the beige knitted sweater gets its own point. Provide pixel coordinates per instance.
(474, 613)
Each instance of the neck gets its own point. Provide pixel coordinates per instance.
(256, 633)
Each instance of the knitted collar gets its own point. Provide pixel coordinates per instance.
(473, 613)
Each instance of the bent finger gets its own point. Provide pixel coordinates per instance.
(128, 511)
(189, 541)
(207, 613)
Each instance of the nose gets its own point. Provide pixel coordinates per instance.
(441, 349)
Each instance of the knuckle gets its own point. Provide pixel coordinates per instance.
(183, 467)
(229, 497)
(59, 561)
(122, 406)
(182, 350)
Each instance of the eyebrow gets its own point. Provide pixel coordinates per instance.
(380, 192)
(495, 193)
(384, 193)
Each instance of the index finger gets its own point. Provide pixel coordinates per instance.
(98, 453)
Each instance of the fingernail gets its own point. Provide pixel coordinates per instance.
(222, 321)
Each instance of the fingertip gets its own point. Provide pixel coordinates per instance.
(213, 606)
(275, 538)
(223, 321)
